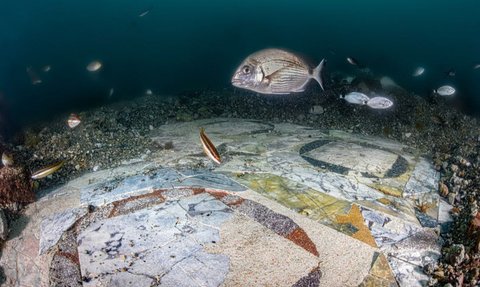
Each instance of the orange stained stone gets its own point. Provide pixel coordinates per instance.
(355, 218)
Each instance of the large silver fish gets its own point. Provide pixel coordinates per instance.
(275, 71)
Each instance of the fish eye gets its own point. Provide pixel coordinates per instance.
(246, 69)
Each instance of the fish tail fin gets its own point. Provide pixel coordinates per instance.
(317, 73)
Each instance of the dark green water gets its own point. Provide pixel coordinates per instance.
(185, 45)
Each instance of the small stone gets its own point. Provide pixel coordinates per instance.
(77, 167)
(317, 109)
(451, 198)
(3, 226)
(443, 189)
(456, 254)
(150, 127)
(454, 167)
(95, 168)
(407, 135)
(439, 274)
(429, 268)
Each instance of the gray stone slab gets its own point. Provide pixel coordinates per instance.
(386, 229)
(53, 227)
(166, 178)
(164, 242)
(209, 180)
(424, 179)
(201, 269)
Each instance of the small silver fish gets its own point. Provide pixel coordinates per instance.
(445, 90)
(94, 66)
(34, 78)
(418, 71)
(7, 159)
(44, 172)
(144, 13)
(476, 66)
(379, 103)
(209, 147)
(148, 92)
(73, 121)
(356, 98)
(451, 72)
(352, 61)
(110, 92)
(275, 71)
(46, 68)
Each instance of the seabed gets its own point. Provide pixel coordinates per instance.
(289, 206)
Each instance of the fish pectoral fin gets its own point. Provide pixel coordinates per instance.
(269, 77)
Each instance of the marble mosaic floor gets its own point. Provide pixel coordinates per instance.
(288, 206)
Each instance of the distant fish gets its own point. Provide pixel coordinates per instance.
(73, 121)
(352, 61)
(148, 92)
(46, 68)
(275, 71)
(144, 13)
(451, 72)
(418, 71)
(94, 66)
(44, 172)
(445, 90)
(208, 147)
(7, 159)
(379, 103)
(476, 66)
(110, 92)
(356, 98)
(34, 78)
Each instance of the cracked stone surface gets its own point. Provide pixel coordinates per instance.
(53, 227)
(161, 244)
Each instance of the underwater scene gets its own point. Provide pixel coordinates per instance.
(239, 143)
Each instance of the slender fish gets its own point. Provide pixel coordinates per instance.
(44, 172)
(208, 147)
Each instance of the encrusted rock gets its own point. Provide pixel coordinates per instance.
(15, 188)
(317, 110)
(443, 189)
(456, 254)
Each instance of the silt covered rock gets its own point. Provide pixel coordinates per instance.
(15, 188)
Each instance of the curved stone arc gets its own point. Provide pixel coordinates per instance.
(399, 167)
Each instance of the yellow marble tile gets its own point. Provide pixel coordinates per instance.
(380, 274)
(355, 218)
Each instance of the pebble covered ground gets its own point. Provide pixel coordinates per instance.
(114, 134)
